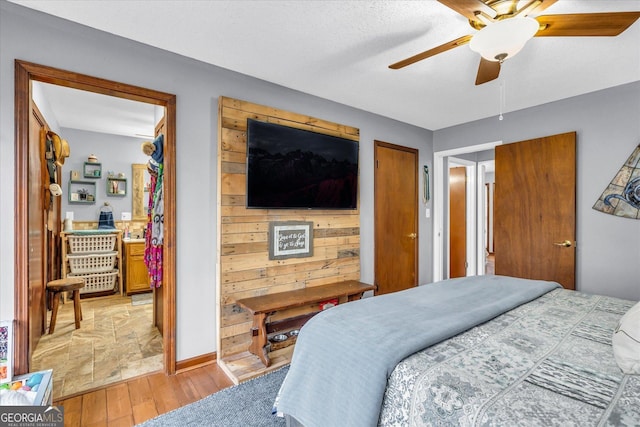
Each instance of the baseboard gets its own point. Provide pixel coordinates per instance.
(195, 362)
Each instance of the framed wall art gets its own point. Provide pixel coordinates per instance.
(290, 239)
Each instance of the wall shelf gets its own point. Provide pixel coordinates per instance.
(92, 170)
(82, 192)
(116, 187)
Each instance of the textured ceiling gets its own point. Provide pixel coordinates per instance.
(340, 50)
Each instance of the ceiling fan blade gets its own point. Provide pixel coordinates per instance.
(467, 8)
(536, 6)
(487, 71)
(431, 52)
(586, 24)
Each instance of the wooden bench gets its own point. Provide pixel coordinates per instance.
(262, 307)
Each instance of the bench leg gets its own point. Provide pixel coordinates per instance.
(259, 338)
(76, 308)
(54, 312)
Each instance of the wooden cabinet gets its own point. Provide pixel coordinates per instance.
(136, 277)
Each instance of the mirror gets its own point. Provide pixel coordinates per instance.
(139, 178)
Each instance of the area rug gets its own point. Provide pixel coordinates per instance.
(247, 404)
(142, 299)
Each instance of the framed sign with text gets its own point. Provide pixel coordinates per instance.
(290, 239)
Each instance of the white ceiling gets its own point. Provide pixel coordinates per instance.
(78, 109)
(340, 50)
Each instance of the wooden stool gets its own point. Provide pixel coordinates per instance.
(65, 285)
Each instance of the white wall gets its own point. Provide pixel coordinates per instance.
(608, 129)
(32, 36)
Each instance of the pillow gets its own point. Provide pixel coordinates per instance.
(626, 341)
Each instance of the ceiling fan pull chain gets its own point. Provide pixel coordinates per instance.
(502, 98)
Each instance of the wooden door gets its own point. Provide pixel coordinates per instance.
(535, 209)
(396, 217)
(37, 203)
(44, 224)
(457, 222)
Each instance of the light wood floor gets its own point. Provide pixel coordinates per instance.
(136, 400)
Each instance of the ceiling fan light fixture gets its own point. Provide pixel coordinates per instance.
(504, 39)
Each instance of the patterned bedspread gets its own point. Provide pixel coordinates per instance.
(548, 362)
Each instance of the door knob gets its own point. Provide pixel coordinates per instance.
(412, 235)
(565, 244)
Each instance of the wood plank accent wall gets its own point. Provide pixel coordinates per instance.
(244, 269)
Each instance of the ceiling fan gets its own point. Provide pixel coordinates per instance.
(504, 28)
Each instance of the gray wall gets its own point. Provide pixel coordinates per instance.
(608, 129)
(115, 153)
(43, 39)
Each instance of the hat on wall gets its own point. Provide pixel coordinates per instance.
(155, 149)
(60, 148)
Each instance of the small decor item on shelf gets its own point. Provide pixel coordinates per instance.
(82, 193)
(92, 158)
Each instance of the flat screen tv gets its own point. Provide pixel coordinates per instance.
(289, 168)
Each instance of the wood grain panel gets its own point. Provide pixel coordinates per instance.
(536, 206)
(231, 167)
(244, 266)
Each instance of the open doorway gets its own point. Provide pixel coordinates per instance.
(461, 229)
(475, 232)
(29, 282)
(118, 338)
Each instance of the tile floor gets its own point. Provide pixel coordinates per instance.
(116, 341)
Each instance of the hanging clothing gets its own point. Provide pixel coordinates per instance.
(154, 237)
(157, 226)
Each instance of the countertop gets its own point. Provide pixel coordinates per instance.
(132, 240)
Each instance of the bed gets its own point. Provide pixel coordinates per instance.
(487, 350)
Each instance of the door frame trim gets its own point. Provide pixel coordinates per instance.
(439, 210)
(25, 72)
(482, 231)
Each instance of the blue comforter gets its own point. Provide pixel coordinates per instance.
(343, 356)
